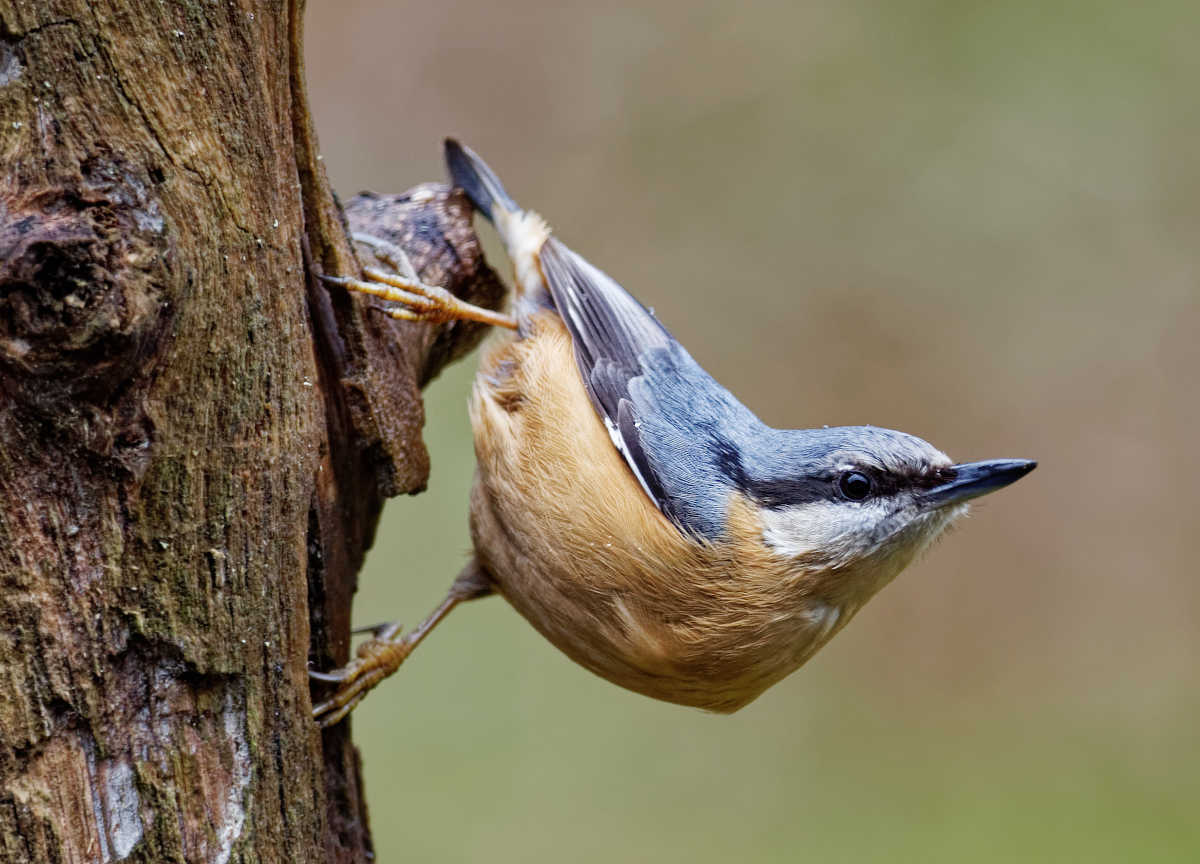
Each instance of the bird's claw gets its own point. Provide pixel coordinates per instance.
(419, 302)
(383, 630)
(377, 659)
(337, 676)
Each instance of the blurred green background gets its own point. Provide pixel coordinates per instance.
(976, 222)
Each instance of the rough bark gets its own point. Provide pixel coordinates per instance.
(196, 437)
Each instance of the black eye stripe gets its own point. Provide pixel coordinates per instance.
(794, 491)
(789, 491)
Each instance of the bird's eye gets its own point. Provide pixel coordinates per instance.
(854, 485)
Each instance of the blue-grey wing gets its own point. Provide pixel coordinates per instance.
(674, 425)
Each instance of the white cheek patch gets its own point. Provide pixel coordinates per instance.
(837, 534)
(933, 524)
(826, 529)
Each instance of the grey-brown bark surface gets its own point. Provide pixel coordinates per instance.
(195, 436)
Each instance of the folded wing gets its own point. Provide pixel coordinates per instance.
(669, 419)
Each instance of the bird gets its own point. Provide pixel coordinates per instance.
(638, 515)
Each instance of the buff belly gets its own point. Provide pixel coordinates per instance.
(570, 539)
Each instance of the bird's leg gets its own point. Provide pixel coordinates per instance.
(381, 655)
(421, 302)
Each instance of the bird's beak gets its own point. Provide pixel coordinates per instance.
(972, 479)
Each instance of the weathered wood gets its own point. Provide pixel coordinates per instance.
(195, 436)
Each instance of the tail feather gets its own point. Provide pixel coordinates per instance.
(522, 231)
(480, 183)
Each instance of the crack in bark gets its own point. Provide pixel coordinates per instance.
(102, 50)
(7, 32)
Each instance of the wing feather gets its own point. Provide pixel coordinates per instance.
(665, 414)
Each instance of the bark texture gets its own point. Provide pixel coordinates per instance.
(195, 436)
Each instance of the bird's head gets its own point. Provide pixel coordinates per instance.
(862, 500)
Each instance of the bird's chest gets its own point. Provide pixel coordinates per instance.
(575, 545)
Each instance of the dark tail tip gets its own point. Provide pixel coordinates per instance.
(475, 178)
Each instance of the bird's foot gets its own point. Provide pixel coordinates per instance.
(381, 655)
(421, 302)
(376, 659)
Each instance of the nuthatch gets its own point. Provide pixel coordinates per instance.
(634, 511)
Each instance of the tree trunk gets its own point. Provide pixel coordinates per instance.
(195, 436)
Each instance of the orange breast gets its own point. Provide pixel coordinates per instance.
(573, 542)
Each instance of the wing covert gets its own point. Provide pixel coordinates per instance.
(666, 416)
